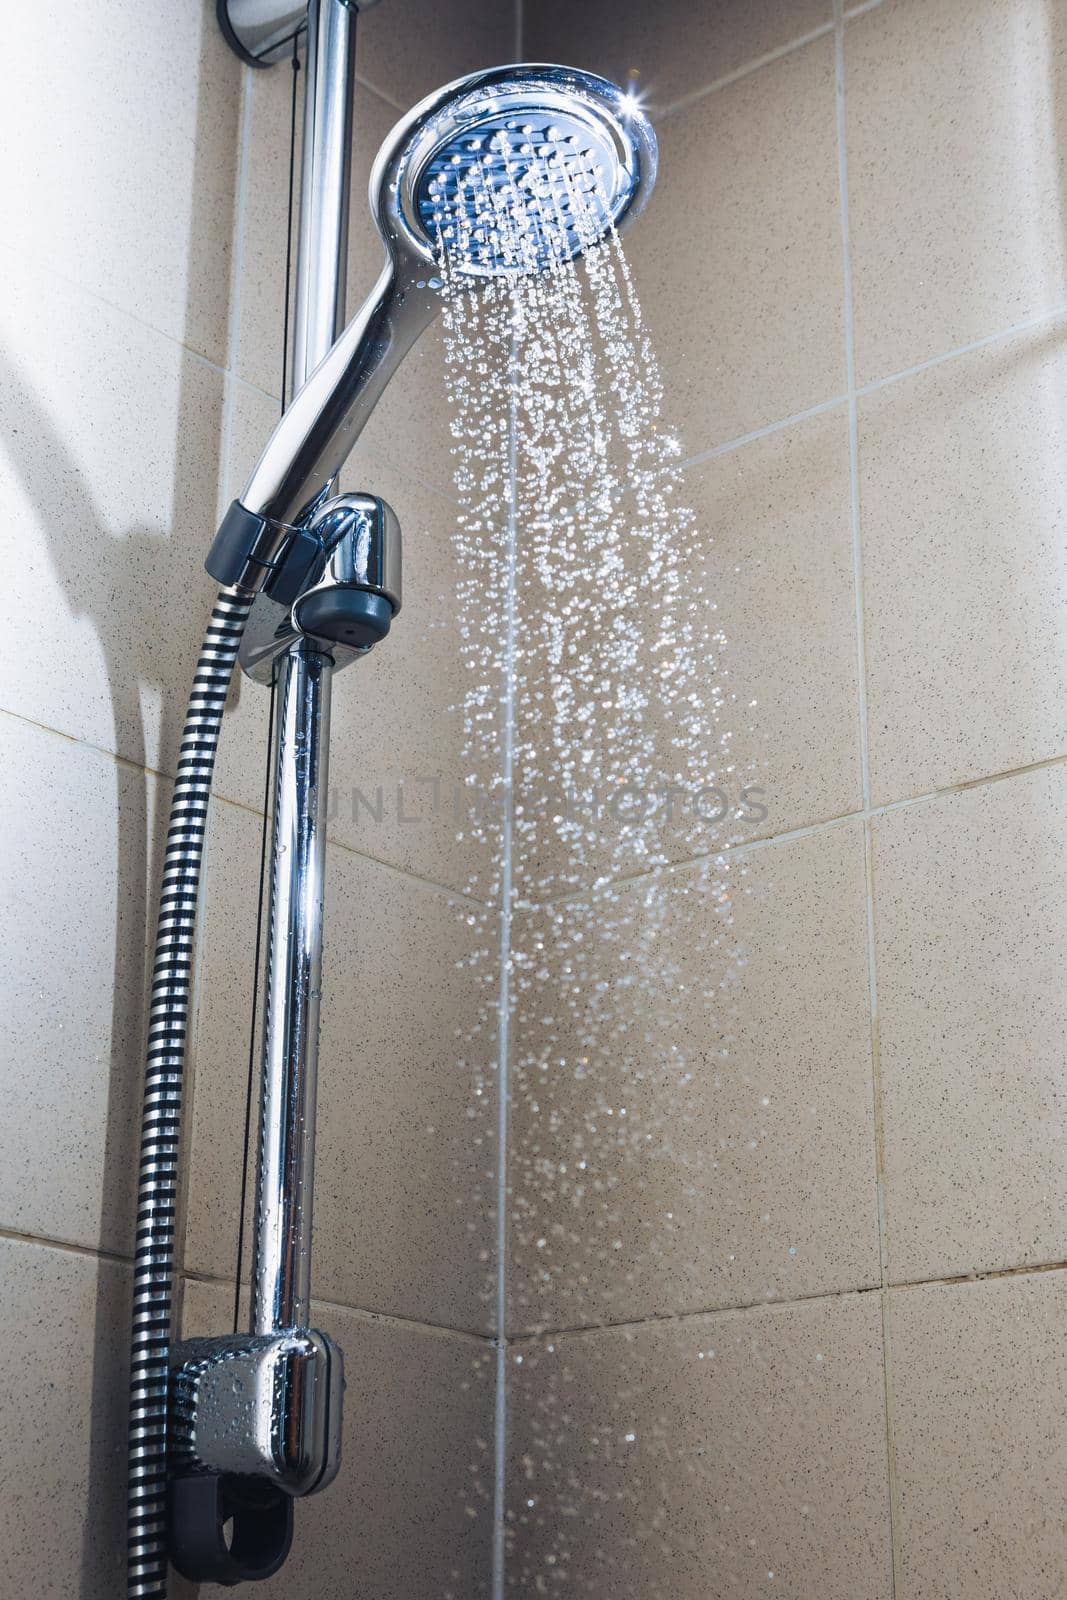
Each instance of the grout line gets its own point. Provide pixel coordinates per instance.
(377, 861)
(757, 62)
(759, 433)
(503, 1010)
(439, 1330)
(972, 783)
(1034, 1269)
(966, 349)
(66, 1246)
(87, 744)
(731, 847)
(686, 100)
(245, 383)
(681, 1318)
(755, 1307)
(238, 805)
(806, 830)
(383, 94)
(853, 426)
(1002, 334)
(877, 1105)
(45, 263)
(369, 1313)
(994, 1275)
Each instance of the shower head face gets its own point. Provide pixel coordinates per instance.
(514, 170)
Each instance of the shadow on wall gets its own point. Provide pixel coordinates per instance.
(48, 471)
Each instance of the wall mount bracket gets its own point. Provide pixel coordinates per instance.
(261, 32)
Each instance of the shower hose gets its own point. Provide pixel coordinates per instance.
(146, 1532)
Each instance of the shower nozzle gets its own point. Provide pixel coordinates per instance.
(524, 139)
(524, 167)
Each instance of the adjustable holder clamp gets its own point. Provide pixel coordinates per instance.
(255, 1421)
(337, 583)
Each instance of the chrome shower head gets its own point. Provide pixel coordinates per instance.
(510, 145)
(508, 171)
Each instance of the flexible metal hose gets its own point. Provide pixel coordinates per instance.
(146, 1540)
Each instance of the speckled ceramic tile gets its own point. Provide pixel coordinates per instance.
(410, 1512)
(669, 50)
(108, 494)
(737, 259)
(979, 1374)
(64, 1334)
(691, 1122)
(742, 1454)
(249, 418)
(95, 155)
(963, 504)
(418, 45)
(405, 1157)
(969, 894)
(79, 832)
(775, 559)
(955, 152)
(400, 769)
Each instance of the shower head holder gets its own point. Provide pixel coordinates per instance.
(340, 590)
(255, 1422)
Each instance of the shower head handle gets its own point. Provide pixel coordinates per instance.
(261, 540)
(318, 430)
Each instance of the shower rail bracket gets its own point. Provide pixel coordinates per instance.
(261, 32)
(255, 1423)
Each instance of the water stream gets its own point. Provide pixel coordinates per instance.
(598, 717)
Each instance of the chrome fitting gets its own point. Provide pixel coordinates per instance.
(259, 1406)
(350, 593)
(261, 32)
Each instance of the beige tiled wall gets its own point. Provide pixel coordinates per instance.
(808, 1344)
(144, 194)
(838, 1371)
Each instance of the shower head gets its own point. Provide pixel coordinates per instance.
(510, 171)
(501, 147)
